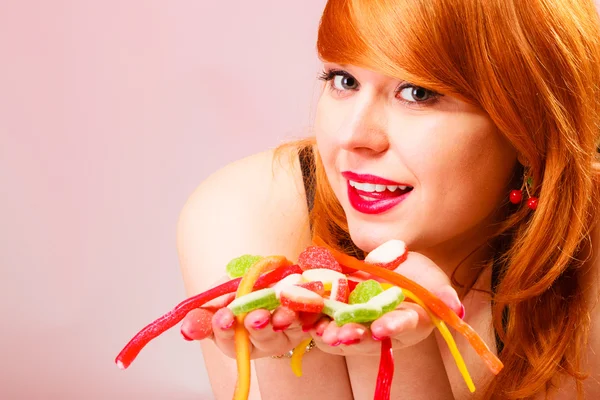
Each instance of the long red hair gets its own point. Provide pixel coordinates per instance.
(534, 67)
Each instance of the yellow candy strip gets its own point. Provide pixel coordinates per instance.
(297, 354)
(241, 336)
(445, 332)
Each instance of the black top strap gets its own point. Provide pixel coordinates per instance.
(307, 162)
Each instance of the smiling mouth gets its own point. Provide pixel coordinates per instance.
(375, 192)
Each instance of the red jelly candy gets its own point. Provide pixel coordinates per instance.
(318, 257)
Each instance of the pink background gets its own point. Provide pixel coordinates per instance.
(111, 113)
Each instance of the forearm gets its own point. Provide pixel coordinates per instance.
(419, 373)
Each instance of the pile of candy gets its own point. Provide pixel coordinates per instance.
(320, 284)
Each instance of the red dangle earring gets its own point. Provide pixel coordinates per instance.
(517, 195)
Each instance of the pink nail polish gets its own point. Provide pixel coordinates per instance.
(461, 313)
(280, 328)
(319, 333)
(228, 325)
(260, 324)
(186, 337)
(351, 341)
(377, 338)
(336, 343)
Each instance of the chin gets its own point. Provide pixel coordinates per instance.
(368, 238)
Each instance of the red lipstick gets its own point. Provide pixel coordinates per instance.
(374, 202)
(367, 178)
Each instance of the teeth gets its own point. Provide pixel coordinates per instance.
(369, 187)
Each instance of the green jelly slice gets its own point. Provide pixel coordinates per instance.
(359, 313)
(364, 291)
(240, 265)
(389, 299)
(264, 298)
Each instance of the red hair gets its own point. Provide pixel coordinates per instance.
(534, 68)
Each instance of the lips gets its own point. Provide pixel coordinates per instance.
(381, 194)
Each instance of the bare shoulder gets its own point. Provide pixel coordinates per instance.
(252, 206)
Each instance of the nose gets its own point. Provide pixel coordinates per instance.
(365, 128)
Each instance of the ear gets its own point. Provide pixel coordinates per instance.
(522, 160)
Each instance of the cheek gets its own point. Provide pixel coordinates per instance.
(472, 167)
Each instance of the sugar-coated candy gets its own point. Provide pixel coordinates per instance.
(327, 276)
(364, 291)
(263, 298)
(300, 299)
(359, 313)
(389, 299)
(340, 290)
(239, 265)
(318, 257)
(289, 280)
(314, 286)
(389, 255)
(331, 306)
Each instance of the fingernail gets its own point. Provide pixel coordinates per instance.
(351, 341)
(228, 325)
(377, 338)
(281, 328)
(186, 337)
(450, 297)
(260, 324)
(461, 313)
(319, 333)
(336, 343)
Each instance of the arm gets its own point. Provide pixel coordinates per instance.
(258, 207)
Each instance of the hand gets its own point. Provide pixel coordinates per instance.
(407, 325)
(270, 334)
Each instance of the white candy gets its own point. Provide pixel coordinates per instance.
(387, 252)
(290, 280)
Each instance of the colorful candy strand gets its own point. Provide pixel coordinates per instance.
(297, 354)
(437, 306)
(241, 337)
(385, 375)
(131, 350)
(441, 326)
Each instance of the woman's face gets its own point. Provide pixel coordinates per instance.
(406, 163)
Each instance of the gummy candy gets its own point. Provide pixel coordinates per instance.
(314, 286)
(327, 276)
(358, 313)
(331, 306)
(389, 255)
(318, 257)
(239, 265)
(264, 298)
(300, 299)
(289, 280)
(340, 290)
(364, 291)
(389, 299)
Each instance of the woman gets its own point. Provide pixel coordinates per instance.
(466, 129)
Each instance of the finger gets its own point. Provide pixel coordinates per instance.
(321, 325)
(197, 324)
(308, 320)
(330, 334)
(426, 273)
(351, 333)
(282, 318)
(222, 325)
(408, 324)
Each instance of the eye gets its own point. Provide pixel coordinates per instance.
(341, 81)
(344, 82)
(416, 94)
